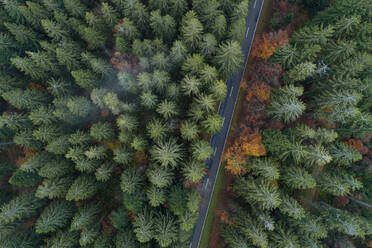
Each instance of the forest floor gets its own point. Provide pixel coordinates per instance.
(211, 236)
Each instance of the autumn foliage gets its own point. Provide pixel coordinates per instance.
(241, 150)
(264, 45)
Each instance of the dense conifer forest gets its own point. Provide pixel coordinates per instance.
(304, 180)
(107, 108)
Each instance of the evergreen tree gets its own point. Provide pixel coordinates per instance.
(26, 99)
(201, 150)
(285, 105)
(85, 79)
(160, 177)
(23, 178)
(167, 109)
(165, 229)
(55, 216)
(26, 139)
(24, 35)
(189, 131)
(207, 102)
(131, 181)
(229, 58)
(300, 72)
(258, 192)
(291, 207)
(127, 29)
(60, 87)
(89, 234)
(193, 199)
(177, 199)
(212, 124)
(109, 14)
(163, 27)
(208, 45)
(188, 220)
(167, 153)
(284, 237)
(297, 178)
(64, 239)
(313, 35)
(265, 167)
(193, 64)
(343, 154)
(218, 89)
(287, 56)
(127, 123)
(54, 29)
(336, 183)
(156, 129)
(191, 30)
(34, 163)
(102, 131)
(156, 196)
(82, 188)
(123, 155)
(23, 206)
(144, 225)
(54, 187)
(59, 145)
(218, 27)
(85, 216)
(178, 53)
(75, 7)
(251, 230)
(120, 219)
(194, 171)
(160, 61)
(47, 133)
(80, 106)
(104, 172)
(190, 85)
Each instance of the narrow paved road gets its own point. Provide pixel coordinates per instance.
(226, 110)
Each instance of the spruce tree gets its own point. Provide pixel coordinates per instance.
(144, 225)
(54, 187)
(82, 188)
(55, 216)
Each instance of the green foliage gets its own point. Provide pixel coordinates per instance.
(212, 124)
(189, 131)
(82, 188)
(343, 154)
(229, 58)
(23, 178)
(89, 235)
(177, 200)
(37, 161)
(259, 192)
(54, 187)
(130, 181)
(26, 99)
(191, 30)
(85, 79)
(291, 207)
(156, 196)
(85, 216)
(265, 167)
(194, 171)
(160, 177)
(23, 206)
(285, 104)
(119, 219)
(201, 150)
(165, 229)
(55, 216)
(144, 226)
(167, 153)
(156, 129)
(297, 178)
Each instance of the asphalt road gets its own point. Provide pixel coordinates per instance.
(226, 110)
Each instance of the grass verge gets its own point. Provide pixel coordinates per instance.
(212, 208)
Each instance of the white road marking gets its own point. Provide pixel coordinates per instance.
(223, 121)
(254, 5)
(246, 33)
(231, 91)
(206, 184)
(215, 149)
